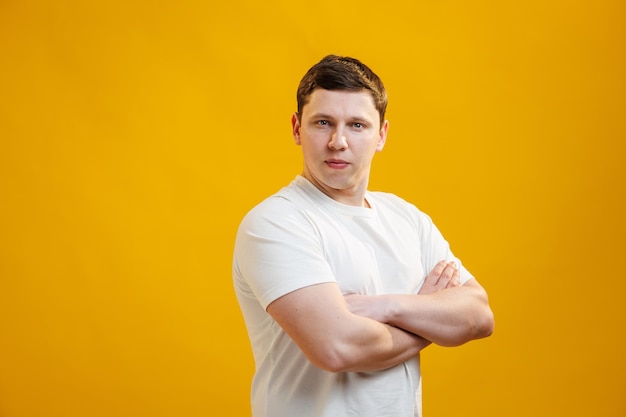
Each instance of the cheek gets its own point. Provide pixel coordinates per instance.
(315, 141)
(365, 149)
(311, 147)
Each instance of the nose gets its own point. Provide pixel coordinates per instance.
(338, 140)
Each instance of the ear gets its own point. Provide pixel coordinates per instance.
(382, 136)
(295, 128)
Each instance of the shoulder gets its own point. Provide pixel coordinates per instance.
(284, 212)
(391, 202)
(274, 209)
(292, 203)
(388, 199)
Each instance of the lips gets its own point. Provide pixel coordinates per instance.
(336, 163)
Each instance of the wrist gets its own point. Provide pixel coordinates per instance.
(389, 309)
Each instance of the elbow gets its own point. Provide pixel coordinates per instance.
(327, 358)
(333, 365)
(483, 325)
(329, 363)
(475, 327)
(336, 367)
(334, 358)
(480, 324)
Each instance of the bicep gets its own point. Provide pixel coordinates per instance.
(277, 255)
(315, 317)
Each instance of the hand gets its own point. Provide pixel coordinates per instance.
(444, 275)
(370, 306)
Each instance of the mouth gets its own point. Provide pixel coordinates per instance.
(336, 163)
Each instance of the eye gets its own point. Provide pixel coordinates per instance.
(322, 122)
(358, 125)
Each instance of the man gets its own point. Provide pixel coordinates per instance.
(340, 287)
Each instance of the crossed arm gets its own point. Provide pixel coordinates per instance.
(333, 338)
(368, 333)
(444, 312)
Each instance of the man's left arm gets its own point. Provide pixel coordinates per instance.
(444, 312)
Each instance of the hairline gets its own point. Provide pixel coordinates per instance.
(369, 92)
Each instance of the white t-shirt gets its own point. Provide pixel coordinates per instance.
(300, 237)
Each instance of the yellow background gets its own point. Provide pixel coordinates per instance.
(135, 135)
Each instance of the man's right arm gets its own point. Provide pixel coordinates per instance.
(319, 322)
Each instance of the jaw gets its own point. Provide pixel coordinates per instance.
(339, 184)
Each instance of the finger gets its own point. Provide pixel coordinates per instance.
(435, 274)
(447, 274)
(456, 280)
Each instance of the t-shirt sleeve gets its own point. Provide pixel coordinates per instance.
(278, 250)
(434, 247)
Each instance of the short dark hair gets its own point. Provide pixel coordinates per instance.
(342, 73)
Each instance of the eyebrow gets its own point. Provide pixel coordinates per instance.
(351, 118)
(321, 116)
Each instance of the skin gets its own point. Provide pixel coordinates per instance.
(443, 312)
(340, 132)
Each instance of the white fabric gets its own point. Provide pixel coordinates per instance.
(300, 237)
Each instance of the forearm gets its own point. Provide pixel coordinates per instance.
(317, 319)
(449, 317)
(378, 346)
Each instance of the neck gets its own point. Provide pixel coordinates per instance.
(352, 196)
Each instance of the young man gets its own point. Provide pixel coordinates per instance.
(340, 287)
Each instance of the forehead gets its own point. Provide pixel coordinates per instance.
(343, 102)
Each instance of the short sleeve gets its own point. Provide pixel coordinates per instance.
(435, 247)
(278, 250)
